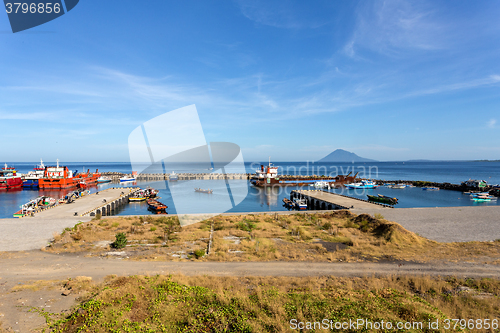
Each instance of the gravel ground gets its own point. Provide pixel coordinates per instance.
(446, 224)
(443, 224)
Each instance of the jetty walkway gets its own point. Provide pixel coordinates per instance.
(319, 199)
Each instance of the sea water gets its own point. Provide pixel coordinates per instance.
(270, 199)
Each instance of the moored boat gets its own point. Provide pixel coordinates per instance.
(9, 178)
(382, 199)
(203, 191)
(301, 204)
(366, 184)
(57, 177)
(143, 195)
(483, 197)
(173, 177)
(156, 206)
(30, 180)
(430, 188)
(104, 179)
(35, 205)
(129, 178)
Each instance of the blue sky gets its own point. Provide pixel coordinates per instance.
(388, 80)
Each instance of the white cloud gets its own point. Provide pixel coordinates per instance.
(491, 123)
(280, 14)
(392, 26)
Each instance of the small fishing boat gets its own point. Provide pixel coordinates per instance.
(128, 179)
(301, 204)
(383, 199)
(288, 203)
(157, 207)
(173, 177)
(399, 186)
(321, 184)
(430, 188)
(143, 195)
(362, 184)
(203, 191)
(104, 179)
(483, 197)
(35, 205)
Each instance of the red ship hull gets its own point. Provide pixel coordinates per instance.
(11, 183)
(58, 183)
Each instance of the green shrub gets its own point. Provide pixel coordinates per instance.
(120, 241)
(199, 253)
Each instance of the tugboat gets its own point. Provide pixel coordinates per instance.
(30, 180)
(9, 179)
(61, 177)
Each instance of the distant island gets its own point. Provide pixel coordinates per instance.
(341, 155)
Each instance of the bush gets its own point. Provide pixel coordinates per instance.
(199, 253)
(120, 241)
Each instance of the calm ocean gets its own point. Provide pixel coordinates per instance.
(271, 199)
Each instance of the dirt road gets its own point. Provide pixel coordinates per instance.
(35, 265)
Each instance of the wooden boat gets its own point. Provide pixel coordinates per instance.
(382, 199)
(288, 203)
(203, 191)
(157, 207)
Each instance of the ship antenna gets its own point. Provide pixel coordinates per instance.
(57, 163)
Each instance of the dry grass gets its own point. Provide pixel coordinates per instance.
(37, 285)
(256, 304)
(338, 236)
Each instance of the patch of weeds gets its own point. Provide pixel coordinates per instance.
(199, 253)
(120, 241)
(246, 225)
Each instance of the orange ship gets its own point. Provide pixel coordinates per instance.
(61, 177)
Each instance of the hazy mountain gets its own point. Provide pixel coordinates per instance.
(341, 155)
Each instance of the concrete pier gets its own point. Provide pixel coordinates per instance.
(104, 202)
(319, 199)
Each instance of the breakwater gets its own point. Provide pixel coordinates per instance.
(216, 176)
